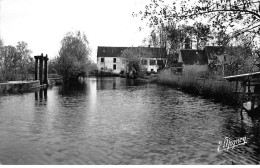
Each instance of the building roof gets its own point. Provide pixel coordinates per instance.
(211, 51)
(178, 64)
(191, 57)
(116, 51)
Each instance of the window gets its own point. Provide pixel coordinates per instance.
(152, 62)
(160, 62)
(114, 66)
(104, 50)
(114, 60)
(102, 59)
(144, 62)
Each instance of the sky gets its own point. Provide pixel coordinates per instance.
(43, 23)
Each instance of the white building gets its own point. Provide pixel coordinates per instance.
(152, 64)
(109, 60)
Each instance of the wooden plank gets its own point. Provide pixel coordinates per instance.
(253, 84)
(246, 94)
(241, 77)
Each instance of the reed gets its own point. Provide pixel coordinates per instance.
(196, 80)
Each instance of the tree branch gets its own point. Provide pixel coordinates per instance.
(222, 10)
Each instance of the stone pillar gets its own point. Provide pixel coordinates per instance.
(45, 93)
(36, 68)
(40, 69)
(36, 95)
(45, 77)
(41, 94)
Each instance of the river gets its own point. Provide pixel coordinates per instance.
(119, 121)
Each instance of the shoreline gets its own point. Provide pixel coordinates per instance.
(216, 90)
(26, 85)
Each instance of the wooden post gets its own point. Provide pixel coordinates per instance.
(36, 95)
(40, 93)
(250, 96)
(243, 96)
(41, 68)
(236, 86)
(248, 86)
(36, 68)
(252, 103)
(45, 77)
(45, 93)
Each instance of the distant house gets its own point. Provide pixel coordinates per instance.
(190, 57)
(193, 57)
(215, 54)
(108, 59)
(154, 62)
(176, 68)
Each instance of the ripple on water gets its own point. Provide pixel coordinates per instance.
(114, 122)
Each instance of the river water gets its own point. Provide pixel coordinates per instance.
(119, 121)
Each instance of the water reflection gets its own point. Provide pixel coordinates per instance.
(39, 93)
(119, 121)
(114, 83)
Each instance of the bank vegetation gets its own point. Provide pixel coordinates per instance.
(16, 62)
(196, 80)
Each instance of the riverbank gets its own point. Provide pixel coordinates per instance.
(21, 86)
(191, 82)
(151, 78)
(17, 86)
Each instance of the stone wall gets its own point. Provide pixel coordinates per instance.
(55, 81)
(15, 86)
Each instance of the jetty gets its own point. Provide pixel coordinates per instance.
(247, 86)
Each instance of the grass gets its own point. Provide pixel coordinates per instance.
(197, 80)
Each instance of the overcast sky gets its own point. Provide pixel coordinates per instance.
(43, 23)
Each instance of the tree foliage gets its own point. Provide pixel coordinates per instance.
(53, 66)
(26, 61)
(73, 56)
(1, 43)
(201, 33)
(175, 37)
(229, 20)
(133, 56)
(15, 62)
(222, 14)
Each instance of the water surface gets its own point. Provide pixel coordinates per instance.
(119, 121)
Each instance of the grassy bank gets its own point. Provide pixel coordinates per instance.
(195, 80)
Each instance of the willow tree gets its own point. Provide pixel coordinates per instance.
(73, 56)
